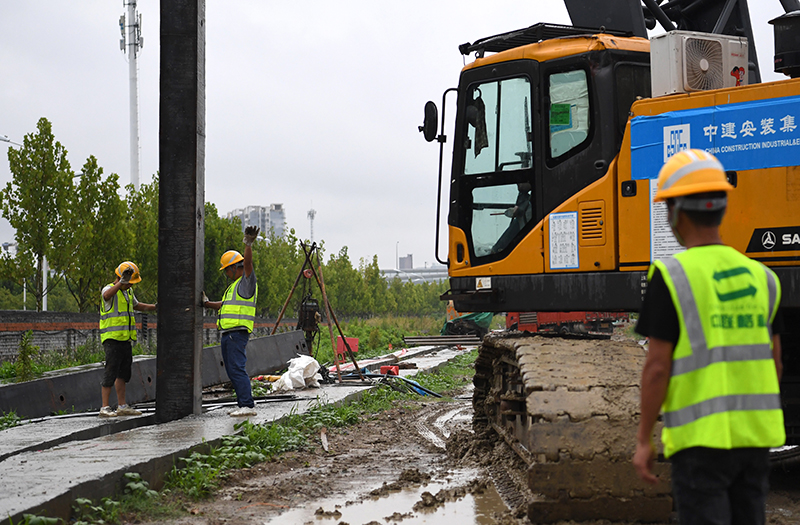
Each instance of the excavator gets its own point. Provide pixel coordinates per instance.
(559, 135)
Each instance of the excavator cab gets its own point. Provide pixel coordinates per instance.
(534, 131)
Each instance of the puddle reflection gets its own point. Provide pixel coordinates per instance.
(398, 508)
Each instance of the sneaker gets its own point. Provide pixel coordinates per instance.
(243, 411)
(106, 412)
(125, 410)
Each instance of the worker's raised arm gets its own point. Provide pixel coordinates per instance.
(250, 235)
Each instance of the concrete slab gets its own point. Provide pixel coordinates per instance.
(78, 464)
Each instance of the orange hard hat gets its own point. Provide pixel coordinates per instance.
(230, 257)
(135, 278)
(689, 172)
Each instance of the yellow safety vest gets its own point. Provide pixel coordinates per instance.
(236, 311)
(119, 322)
(723, 390)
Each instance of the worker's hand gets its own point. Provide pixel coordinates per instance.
(126, 276)
(203, 300)
(250, 235)
(643, 460)
(510, 212)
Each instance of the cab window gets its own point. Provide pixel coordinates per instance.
(499, 214)
(498, 137)
(569, 115)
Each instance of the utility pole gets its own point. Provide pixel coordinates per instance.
(311, 214)
(181, 187)
(130, 26)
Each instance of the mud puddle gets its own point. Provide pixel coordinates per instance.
(458, 498)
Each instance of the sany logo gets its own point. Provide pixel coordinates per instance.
(780, 239)
(768, 240)
(788, 238)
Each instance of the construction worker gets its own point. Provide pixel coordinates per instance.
(237, 313)
(714, 362)
(117, 333)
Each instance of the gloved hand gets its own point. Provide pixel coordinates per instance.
(250, 235)
(203, 300)
(126, 276)
(510, 212)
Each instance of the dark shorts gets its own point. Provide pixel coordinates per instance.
(713, 486)
(119, 356)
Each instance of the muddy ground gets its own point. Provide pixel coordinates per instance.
(420, 463)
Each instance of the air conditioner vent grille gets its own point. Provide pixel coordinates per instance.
(703, 64)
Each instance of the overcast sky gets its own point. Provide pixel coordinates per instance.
(309, 103)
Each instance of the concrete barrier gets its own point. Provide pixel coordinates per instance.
(78, 389)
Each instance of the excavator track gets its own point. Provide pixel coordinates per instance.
(569, 407)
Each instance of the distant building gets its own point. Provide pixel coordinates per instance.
(277, 219)
(262, 216)
(430, 274)
(406, 263)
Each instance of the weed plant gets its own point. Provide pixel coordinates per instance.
(33, 519)
(8, 420)
(23, 366)
(137, 501)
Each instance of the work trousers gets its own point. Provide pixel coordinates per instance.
(720, 487)
(234, 355)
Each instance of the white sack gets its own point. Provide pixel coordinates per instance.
(302, 373)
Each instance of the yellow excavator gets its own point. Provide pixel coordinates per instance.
(559, 134)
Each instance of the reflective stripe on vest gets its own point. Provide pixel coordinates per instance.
(236, 311)
(116, 324)
(724, 394)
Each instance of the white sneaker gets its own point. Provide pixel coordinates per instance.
(243, 411)
(106, 412)
(125, 410)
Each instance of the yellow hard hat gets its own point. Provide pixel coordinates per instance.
(228, 258)
(690, 172)
(135, 278)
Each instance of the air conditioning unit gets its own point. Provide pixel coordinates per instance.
(686, 61)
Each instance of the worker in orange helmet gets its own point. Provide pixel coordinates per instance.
(117, 334)
(237, 314)
(713, 365)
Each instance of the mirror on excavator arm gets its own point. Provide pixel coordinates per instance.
(428, 127)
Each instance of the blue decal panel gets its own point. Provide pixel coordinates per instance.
(743, 136)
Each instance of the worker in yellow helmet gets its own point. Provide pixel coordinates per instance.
(714, 363)
(118, 333)
(237, 314)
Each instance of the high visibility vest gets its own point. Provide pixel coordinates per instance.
(236, 311)
(119, 322)
(723, 390)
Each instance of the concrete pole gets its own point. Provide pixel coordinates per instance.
(181, 209)
(44, 283)
(132, 44)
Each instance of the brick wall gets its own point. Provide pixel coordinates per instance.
(60, 330)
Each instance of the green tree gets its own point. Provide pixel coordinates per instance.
(221, 235)
(100, 235)
(36, 204)
(344, 285)
(377, 288)
(142, 248)
(278, 260)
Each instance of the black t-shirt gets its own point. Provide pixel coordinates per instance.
(658, 317)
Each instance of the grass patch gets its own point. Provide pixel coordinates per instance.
(376, 334)
(31, 363)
